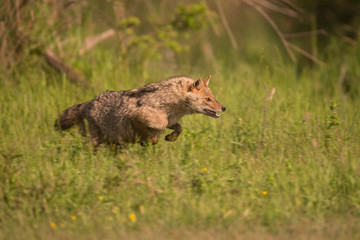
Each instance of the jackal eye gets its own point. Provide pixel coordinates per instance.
(208, 99)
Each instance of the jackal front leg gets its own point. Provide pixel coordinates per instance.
(144, 141)
(174, 135)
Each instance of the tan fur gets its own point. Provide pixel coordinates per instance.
(141, 115)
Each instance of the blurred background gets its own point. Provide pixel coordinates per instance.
(283, 159)
(143, 36)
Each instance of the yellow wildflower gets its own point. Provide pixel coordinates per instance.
(100, 198)
(53, 225)
(264, 193)
(132, 217)
(73, 217)
(204, 169)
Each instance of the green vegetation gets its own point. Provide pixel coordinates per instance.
(283, 161)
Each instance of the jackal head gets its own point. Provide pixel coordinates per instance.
(200, 99)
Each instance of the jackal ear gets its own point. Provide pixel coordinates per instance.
(207, 80)
(196, 84)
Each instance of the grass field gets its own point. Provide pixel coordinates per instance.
(282, 161)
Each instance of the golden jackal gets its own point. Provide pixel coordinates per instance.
(143, 114)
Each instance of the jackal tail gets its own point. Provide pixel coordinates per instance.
(70, 117)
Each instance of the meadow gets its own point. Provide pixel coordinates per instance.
(283, 161)
(220, 178)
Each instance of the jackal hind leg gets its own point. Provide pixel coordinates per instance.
(175, 134)
(97, 137)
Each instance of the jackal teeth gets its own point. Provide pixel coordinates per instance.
(211, 113)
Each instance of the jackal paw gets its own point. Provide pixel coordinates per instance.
(171, 137)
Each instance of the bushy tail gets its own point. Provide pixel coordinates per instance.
(70, 117)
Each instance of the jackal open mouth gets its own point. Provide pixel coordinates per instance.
(211, 113)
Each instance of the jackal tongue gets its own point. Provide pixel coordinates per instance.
(211, 113)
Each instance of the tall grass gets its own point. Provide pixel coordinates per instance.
(281, 162)
(215, 181)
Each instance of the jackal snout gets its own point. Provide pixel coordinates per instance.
(214, 110)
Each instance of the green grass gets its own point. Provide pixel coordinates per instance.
(215, 181)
